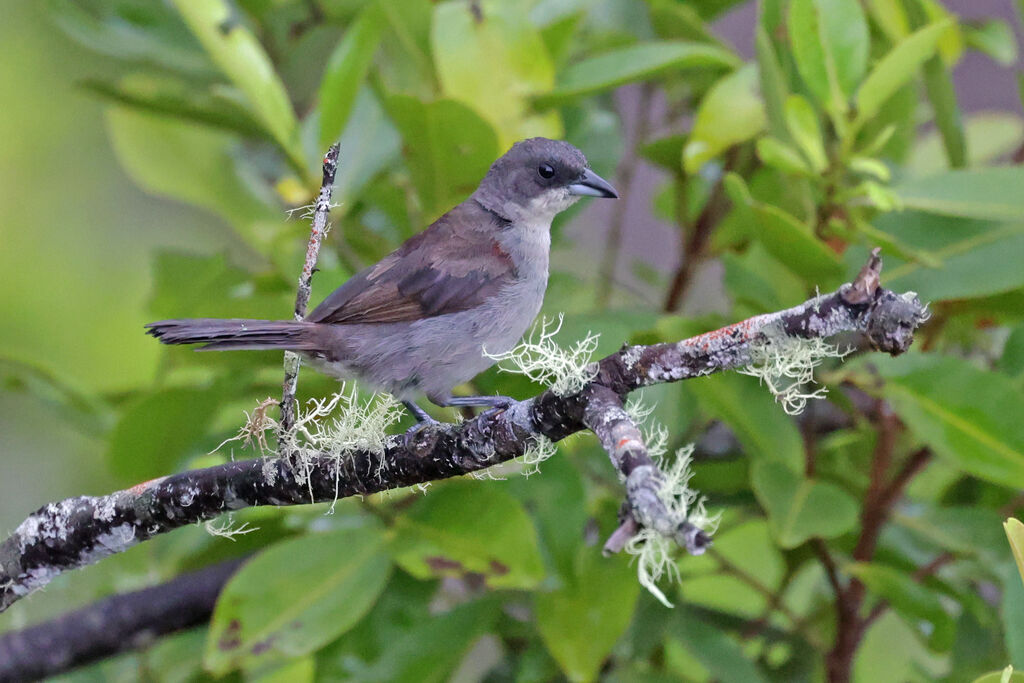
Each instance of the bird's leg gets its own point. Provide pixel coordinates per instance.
(493, 404)
(417, 412)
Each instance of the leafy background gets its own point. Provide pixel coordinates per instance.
(152, 149)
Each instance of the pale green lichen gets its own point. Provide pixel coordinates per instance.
(539, 449)
(334, 427)
(656, 553)
(227, 529)
(564, 370)
(785, 365)
(655, 434)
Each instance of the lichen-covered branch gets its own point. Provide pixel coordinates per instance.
(78, 531)
(645, 483)
(318, 229)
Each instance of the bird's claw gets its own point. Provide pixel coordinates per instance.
(417, 436)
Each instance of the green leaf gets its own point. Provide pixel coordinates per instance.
(709, 9)
(988, 135)
(976, 259)
(133, 41)
(911, 600)
(773, 85)
(988, 193)
(1012, 609)
(448, 149)
(830, 44)
(193, 164)
(802, 124)
(469, 527)
(757, 279)
(345, 72)
(961, 529)
(891, 18)
(800, 508)
(749, 547)
(892, 652)
(640, 62)
(780, 156)
(87, 411)
(179, 99)
(298, 670)
(1011, 363)
(730, 113)
(426, 650)
(785, 237)
(896, 68)
(1001, 676)
(239, 55)
(296, 596)
(671, 19)
(966, 415)
(187, 285)
(665, 152)
(793, 243)
(557, 504)
(405, 65)
(369, 144)
(494, 66)
(760, 425)
(995, 38)
(724, 593)
(156, 432)
(1015, 535)
(178, 657)
(717, 651)
(602, 594)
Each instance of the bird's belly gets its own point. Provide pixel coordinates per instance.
(432, 355)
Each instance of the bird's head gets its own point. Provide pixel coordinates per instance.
(538, 178)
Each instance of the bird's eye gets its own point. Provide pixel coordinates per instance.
(546, 171)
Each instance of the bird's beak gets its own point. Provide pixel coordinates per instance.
(592, 185)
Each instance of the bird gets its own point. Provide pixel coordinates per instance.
(432, 314)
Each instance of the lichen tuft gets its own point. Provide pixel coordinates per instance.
(564, 370)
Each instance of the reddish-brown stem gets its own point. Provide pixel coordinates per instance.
(624, 178)
(697, 241)
(878, 502)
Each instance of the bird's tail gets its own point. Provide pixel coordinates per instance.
(223, 334)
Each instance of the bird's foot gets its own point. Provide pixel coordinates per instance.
(417, 436)
(420, 435)
(485, 401)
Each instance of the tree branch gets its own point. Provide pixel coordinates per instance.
(116, 624)
(79, 531)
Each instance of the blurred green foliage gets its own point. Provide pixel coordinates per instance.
(783, 169)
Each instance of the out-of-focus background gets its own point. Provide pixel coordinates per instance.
(148, 163)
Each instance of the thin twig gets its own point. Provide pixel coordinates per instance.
(623, 178)
(318, 229)
(696, 243)
(831, 571)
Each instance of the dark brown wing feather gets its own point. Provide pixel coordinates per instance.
(452, 266)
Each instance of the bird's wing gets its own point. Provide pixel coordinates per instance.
(448, 268)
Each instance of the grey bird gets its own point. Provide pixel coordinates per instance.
(419, 321)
